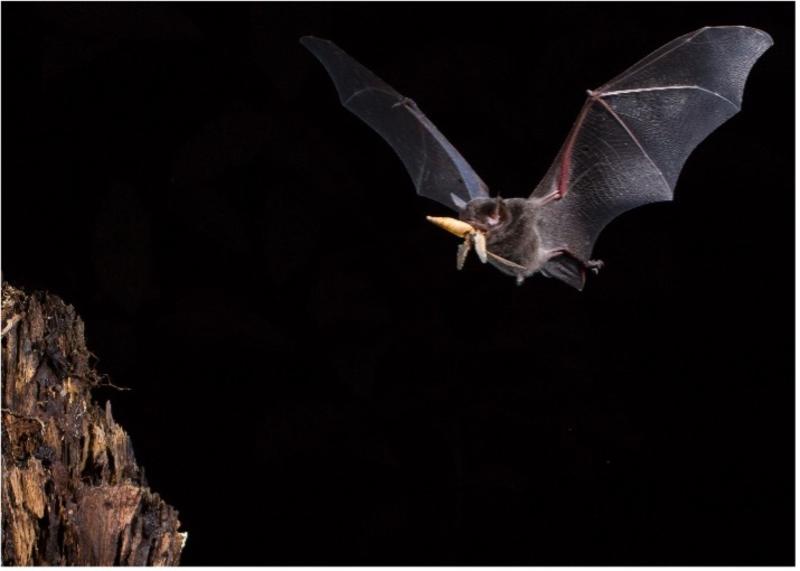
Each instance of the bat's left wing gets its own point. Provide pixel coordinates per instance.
(634, 134)
(436, 167)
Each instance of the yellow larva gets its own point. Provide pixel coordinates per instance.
(452, 225)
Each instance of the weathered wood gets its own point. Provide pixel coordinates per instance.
(72, 493)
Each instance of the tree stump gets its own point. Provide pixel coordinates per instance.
(72, 493)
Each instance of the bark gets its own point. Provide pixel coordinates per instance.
(72, 493)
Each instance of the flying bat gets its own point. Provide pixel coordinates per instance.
(625, 149)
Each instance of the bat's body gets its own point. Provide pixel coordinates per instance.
(516, 240)
(626, 149)
(510, 227)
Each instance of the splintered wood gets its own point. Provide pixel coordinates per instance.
(72, 493)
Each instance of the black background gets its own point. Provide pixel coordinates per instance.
(313, 382)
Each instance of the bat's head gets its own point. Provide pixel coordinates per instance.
(486, 214)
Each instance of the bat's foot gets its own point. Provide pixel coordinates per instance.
(594, 266)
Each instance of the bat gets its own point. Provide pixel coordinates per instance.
(625, 149)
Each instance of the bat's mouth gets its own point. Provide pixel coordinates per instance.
(479, 225)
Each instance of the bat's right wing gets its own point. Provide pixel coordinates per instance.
(436, 167)
(634, 134)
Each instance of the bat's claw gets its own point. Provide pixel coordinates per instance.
(595, 266)
(404, 101)
(556, 194)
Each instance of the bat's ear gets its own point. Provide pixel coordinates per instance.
(500, 211)
(498, 204)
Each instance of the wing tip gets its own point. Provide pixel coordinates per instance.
(757, 31)
(311, 43)
(769, 41)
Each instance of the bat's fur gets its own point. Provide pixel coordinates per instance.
(509, 225)
(511, 229)
(510, 232)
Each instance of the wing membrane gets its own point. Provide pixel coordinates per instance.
(634, 134)
(437, 169)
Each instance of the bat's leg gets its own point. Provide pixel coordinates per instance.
(593, 266)
(507, 263)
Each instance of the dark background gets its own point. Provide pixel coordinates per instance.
(313, 382)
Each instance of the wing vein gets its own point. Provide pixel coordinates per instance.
(667, 88)
(363, 90)
(636, 141)
(423, 147)
(562, 180)
(629, 72)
